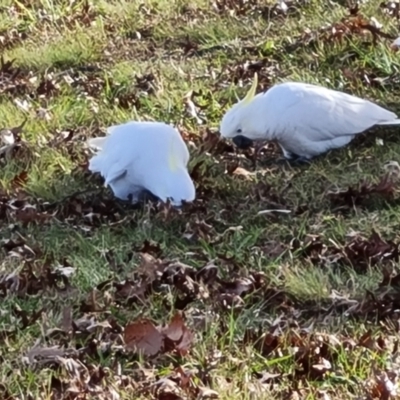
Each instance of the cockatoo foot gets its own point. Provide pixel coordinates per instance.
(293, 159)
(299, 160)
(145, 196)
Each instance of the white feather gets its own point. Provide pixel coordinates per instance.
(138, 156)
(304, 119)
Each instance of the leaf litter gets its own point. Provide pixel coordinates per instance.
(386, 188)
(204, 288)
(210, 290)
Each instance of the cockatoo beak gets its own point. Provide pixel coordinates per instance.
(252, 92)
(242, 142)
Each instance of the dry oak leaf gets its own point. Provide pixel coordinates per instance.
(178, 335)
(143, 337)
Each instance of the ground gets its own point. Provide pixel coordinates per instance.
(100, 299)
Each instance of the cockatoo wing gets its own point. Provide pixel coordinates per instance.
(115, 156)
(143, 155)
(167, 176)
(320, 114)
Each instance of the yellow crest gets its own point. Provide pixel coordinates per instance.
(252, 92)
(172, 157)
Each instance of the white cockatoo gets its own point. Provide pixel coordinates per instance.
(144, 157)
(305, 120)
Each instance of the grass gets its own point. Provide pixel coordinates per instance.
(93, 65)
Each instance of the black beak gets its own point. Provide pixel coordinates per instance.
(242, 142)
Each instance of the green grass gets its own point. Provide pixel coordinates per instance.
(113, 61)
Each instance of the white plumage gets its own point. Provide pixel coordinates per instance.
(306, 120)
(144, 156)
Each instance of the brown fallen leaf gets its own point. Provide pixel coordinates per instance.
(238, 287)
(19, 180)
(47, 87)
(381, 386)
(150, 267)
(67, 319)
(178, 336)
(385, 188)
(239, 171)
(10, 244)
(323, 366)
(168, 396)
(44, 355)
(391, 8)
(361, 253)
(267, 377)
(207, 393)
(151, 248)
(142, 336)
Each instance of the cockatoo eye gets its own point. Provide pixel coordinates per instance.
(239, 131)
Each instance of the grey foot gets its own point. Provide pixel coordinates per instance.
(145, 196)
(300, 160)
(294, 159)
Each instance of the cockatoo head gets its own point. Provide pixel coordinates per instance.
(174, 182)
(176, 187)
(184, 190)
(240, 122)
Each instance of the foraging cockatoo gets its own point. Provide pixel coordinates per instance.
(305, 120)
(144, 157)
